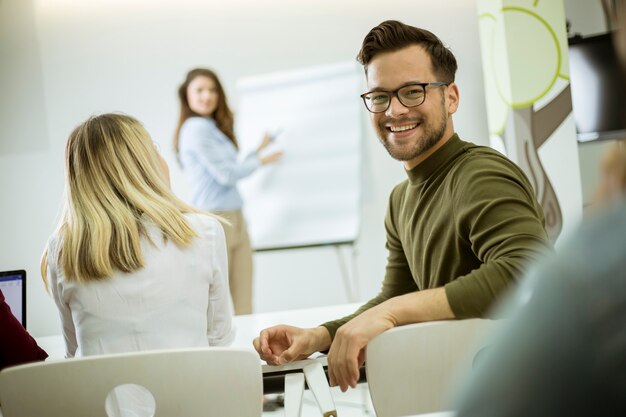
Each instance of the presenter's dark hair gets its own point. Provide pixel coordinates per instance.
(391, 36)
(223, 116)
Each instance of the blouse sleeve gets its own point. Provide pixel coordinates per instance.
(202, 142)
(56, 287)
(220, 329)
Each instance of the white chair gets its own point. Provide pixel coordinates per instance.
(201, 382)
(410, 369)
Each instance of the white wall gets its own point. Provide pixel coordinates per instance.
(67, 59)
(30, 163)
(585, 17)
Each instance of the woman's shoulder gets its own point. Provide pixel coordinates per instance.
(196, 123)
(53, 244)
(52, 254)
(204, 223)
(196, 130)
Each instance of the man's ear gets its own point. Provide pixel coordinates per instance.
(452, 98)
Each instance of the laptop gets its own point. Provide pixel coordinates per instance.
(13, 286)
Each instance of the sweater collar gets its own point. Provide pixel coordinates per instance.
(425, 169)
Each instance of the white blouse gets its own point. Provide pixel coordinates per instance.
(180, 298)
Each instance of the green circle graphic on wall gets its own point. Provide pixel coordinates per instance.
(530, 39)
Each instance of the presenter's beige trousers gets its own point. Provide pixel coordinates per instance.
(239, 260)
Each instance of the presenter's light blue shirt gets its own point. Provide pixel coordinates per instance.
(212, 165)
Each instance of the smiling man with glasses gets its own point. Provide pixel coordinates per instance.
(460, 230)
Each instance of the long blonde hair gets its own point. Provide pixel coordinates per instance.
(113, 178)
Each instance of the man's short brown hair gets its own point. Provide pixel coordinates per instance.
(391, 36)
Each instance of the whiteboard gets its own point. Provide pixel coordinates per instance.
(312, 195)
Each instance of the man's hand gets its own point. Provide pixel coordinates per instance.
(281, 344)
(347, 352)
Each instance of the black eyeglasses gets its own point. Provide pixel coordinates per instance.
(410, 95)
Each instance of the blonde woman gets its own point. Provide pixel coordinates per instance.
(131, 267)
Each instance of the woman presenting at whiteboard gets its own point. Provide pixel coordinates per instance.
(207, 149)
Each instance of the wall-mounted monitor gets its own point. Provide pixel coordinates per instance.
(598, 88)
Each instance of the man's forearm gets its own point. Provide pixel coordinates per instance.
(332, 326)
(419, 306)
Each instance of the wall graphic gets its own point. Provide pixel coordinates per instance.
(526, 74)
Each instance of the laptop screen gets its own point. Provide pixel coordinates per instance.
(13, 286)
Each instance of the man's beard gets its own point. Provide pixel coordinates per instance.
(431, 134)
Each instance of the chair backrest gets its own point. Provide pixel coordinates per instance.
(410, 369)
(184, 383)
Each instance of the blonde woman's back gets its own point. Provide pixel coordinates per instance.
(179, 298)
(132, 267)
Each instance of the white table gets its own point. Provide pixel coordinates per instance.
(248, 326)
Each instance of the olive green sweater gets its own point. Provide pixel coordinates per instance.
(467, 219)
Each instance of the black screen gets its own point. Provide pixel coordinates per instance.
(598, 88)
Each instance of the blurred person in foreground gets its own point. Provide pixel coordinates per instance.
(563, 353)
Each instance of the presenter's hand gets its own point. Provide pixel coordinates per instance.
(281, 344)
(270, 158)
(267, 139)
(347, 352)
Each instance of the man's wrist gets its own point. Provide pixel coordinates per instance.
(390, 311)
(322, 338)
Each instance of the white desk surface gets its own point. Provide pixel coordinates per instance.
(248, 326)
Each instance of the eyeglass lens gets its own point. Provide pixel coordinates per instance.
(409, 96)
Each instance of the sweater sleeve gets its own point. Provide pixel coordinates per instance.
(398, 279)
(16, 345)
(497, 212)
(201, 141)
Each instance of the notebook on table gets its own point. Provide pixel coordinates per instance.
(13, 286)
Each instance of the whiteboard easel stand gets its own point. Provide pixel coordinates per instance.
(350, 275)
